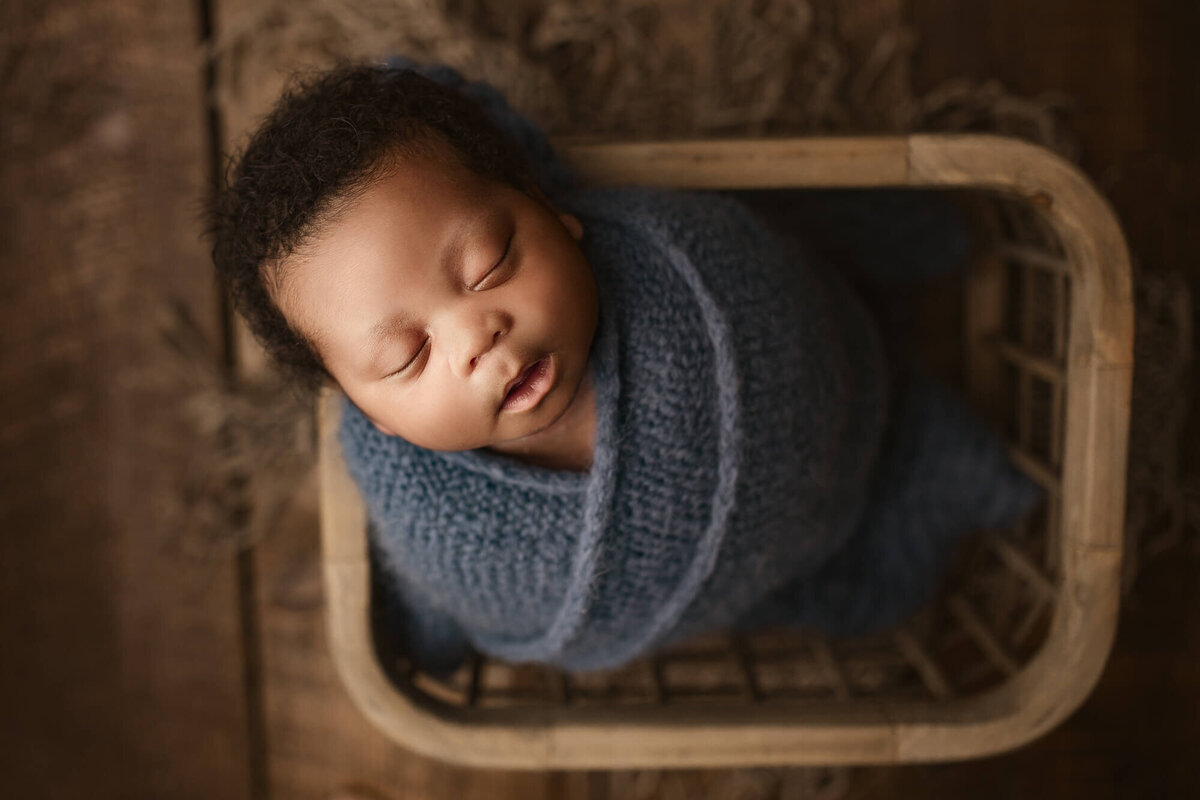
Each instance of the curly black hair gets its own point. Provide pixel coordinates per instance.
(326, 140)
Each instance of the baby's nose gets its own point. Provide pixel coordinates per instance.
(474, 361)
(474, 339)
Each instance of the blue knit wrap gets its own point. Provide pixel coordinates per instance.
(732, 451)
(753, 463)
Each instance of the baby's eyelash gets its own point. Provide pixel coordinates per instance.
(504, 255)
(500, 261)
(410, 362)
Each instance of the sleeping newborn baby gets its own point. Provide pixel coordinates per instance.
(586, 423)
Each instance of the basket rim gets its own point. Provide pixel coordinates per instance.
(865, 731)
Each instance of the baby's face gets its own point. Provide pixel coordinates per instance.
(454, 311)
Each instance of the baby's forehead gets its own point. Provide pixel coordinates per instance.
(396, 178)
(417, 210)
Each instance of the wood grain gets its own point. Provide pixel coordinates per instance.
(121, 673)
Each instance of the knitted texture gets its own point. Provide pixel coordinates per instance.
(741, 474)
(741, 398)
(942, 475)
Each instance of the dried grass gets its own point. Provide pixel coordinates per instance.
(261, 436)
(635, 68)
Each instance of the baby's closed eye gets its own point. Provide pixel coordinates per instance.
(500, 271)
(411, 362)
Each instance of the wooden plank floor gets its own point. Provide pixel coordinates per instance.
(123, 668)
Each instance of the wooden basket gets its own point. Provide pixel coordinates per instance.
(1014, 645)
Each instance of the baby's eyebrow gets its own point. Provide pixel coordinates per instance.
(387, 327)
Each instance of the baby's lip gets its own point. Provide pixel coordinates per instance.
(542, 377)
(522, 373)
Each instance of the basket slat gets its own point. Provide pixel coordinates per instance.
(935, 681)
(987, 641)
(1068, 581)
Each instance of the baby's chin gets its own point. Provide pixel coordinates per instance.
(453, 441)
(493, 441)
(436, 441)
(534, 431)
(558, 439)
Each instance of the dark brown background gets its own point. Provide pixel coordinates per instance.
(131, 668)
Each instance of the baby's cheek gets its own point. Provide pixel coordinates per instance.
(561, 307)
(461, 421)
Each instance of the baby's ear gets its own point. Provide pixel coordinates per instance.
(572, 224)
(569, 221)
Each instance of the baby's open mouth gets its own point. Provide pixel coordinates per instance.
(531, 386)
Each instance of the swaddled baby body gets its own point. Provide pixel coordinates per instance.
(586, 423)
